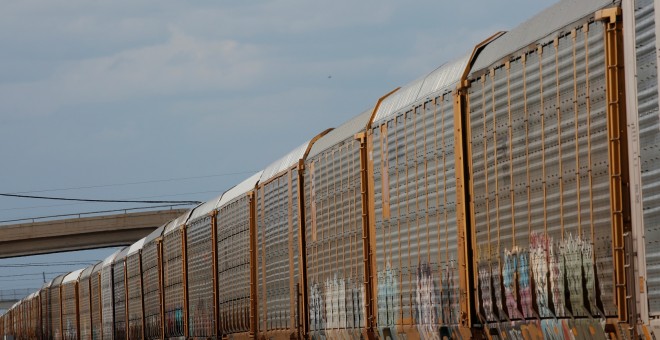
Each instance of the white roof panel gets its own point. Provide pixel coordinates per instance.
(284, 163)
(444, 76)
(541, 25)
(176, 223)
(108, 260)
(72, 276)
(135, 247)
(205, 208)
(240, 189)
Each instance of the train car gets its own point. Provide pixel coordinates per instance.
(70, 307)
(46, 316)
(34, 327)
(134, 291)
(335, 290)
(119, 292)
(85, 303)
(236, 271)
(96, 302)
(55, 307)
(201, 270)
(174, 287)
(108, 296)
(278, 262)
(542, 194)
(412, 180)
(152, 260)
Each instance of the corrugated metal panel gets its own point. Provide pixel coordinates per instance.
(173, 278)
(108, 260)
(134, 291)
(119, 291)
(201, 320)
(88, 271)
(277, 243)
(549, 20)
(155, 234)
(233, 230)
(205, 208)
(84, 300)
(284, 163)
(152, 291)
(70, 305)
(55, 308)
(135, 247)
(649, 139)
(441, 78)
(333, 206)
(343, 132)
(444, 76)
(399, 99)
(177, 222)
(73, 276)
(240, 189)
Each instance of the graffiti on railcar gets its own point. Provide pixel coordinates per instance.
(388, 298)
(336, 308)
(426, 303)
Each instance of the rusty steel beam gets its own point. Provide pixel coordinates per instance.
(80, 233)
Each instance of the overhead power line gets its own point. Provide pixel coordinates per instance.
(94, 200)
(70, 204)
(47, 264)
(135, 183)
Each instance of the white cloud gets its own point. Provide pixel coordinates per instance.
(183, 64)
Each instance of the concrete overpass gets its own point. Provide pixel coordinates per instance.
(81, 233)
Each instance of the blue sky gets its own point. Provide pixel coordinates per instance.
(117, 92)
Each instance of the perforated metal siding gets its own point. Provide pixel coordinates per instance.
(649, 129)
(335, 265)
(44, 293)
(96, 305)
(201, 319)
(277, 243)
(107, 297)
(540, 180)
(84, 299)
(151, 287)
(56, 308)
(69, 310)
(173, 285)
(234, 265)
(415, 217)
(134, 295)
(119, 290)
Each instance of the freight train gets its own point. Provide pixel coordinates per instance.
(511, 193)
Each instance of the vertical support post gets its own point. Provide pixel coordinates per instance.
(252, 202)
(366, 246)
(77, 290)
(161, 288)
(618, 167)
(125, 266)
(144, 322)
(465, 253)
(301, 288)
(184, 278)
(217, 332)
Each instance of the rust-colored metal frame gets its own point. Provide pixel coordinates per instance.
(214, 257)
(254, 317)
(624, 283)
(184, 277)
(369, 221)
(464, 190)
